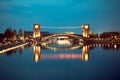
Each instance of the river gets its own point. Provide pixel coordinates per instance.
(87, 62)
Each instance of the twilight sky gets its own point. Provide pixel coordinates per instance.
(102, 15)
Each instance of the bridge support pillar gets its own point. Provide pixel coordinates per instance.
(86, 30)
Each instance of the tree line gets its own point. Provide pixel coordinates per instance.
(10, 34)
(110, 35)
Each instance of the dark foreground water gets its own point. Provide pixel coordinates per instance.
(85, 63)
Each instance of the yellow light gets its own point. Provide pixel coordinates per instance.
(86, 26)
(62, 42)
(36, 26)
(36, 57)
(86, 57)
(115, 46)
(11, 48)
(36, 50)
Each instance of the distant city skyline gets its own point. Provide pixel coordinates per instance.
(102, 15)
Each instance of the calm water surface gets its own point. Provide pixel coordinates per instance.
(85, 63)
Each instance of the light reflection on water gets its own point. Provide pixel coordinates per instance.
(84, 55)
(55, 54)
(89, 62)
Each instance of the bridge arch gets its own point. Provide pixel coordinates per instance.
(61, 35)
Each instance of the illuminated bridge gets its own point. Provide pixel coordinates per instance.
(56, 37)
(37, 33)
(61, 35)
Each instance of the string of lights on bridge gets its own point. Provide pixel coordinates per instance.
(61, 27)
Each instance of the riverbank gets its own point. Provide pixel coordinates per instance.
(11, 46)
(90, 41)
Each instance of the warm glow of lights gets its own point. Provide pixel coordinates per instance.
(8, 49)
(86, 57)
(84, 34)
(22, 38)
(86, 26)
(37, 51)
(36, 57)
(63, 42)
(115, 46)
(36, 26)
(56, 48)
(85, 30)
(61, 56)
(34, 35)
(62, 37)
(36, 30)
(85, 53)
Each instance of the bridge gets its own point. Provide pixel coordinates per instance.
(37, 32)
(61, 35)
(61, 38)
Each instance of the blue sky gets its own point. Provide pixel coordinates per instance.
(102, 15)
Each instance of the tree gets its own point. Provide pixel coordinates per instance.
(14, 34)
(8, 33)
(1, 37)
(20, 32)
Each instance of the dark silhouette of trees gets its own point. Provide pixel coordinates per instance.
(110, 35)
(20, 32)
(1, 37)
(14, 34)
(94, 36)
(8, 33)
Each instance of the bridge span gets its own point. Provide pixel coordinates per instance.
(60, 37)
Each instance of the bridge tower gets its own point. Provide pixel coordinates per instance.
(36, 31)
(85, 30)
